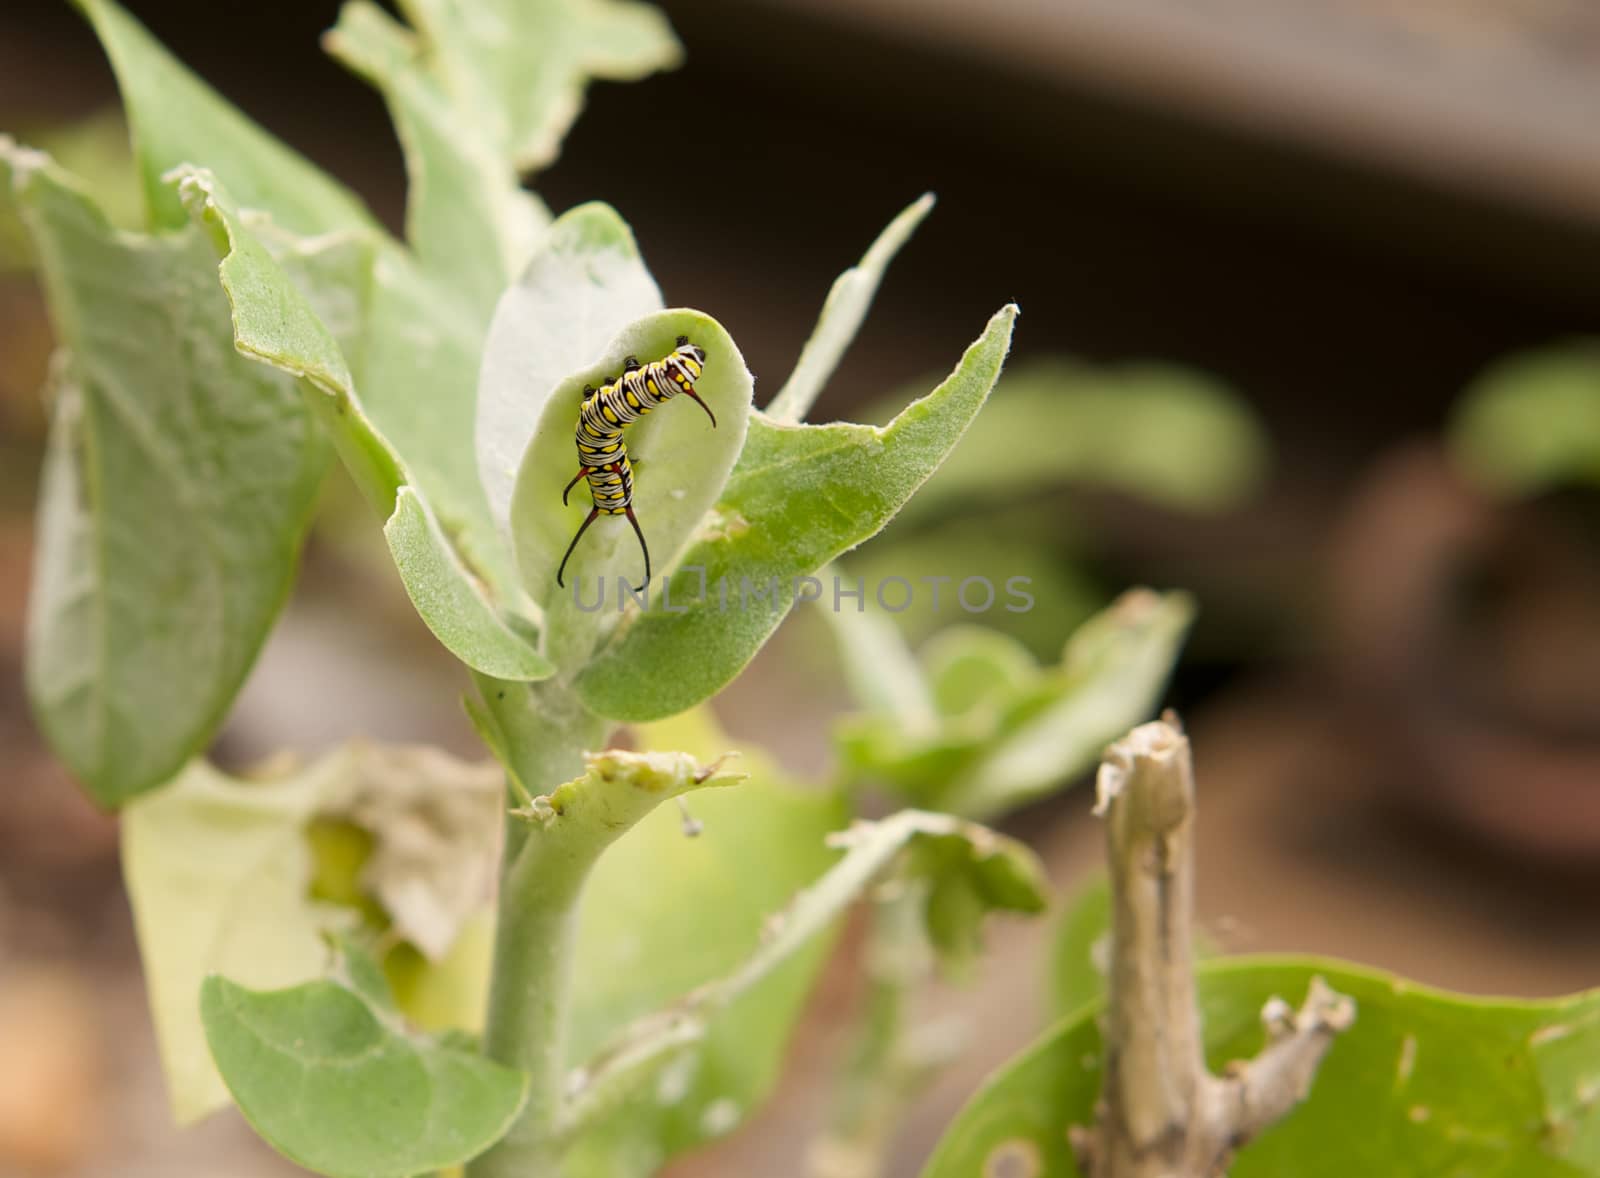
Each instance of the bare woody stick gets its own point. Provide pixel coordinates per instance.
(1161, 1114)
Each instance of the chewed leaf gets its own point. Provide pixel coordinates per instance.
(140, 636)
(274, 323)
(243, 878)
(218, 873)
(585, 284)
(681, 462)
(334, 1083)
(1439, 1084)
(799, 496)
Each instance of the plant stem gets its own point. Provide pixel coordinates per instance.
(542, 734)
(890, 1065)
(1162, 1115)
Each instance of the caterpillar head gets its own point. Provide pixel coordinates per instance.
(685, 348)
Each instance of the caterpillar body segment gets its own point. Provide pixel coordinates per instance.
(602, 450)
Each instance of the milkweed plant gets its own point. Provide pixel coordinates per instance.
(332, 948)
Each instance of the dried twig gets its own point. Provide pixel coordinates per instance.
(1162, 1115)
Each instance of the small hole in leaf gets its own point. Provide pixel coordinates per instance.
(1017, 1158)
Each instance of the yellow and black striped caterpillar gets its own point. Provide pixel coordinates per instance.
(602, 453)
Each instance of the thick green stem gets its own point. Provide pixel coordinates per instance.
(541, 733)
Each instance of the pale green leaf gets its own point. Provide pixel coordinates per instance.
(336, 1083)
(680, 463)
(467, 218)
(519, 67)
(272, 322)
(842, 313)
(239, 877)
(446, 598)
(584, 285)
(799, 497)
(1112, 675)
(1424, 1084)
(664, 913)
(218, 873)
(1002, 874)
(882, 672)
(176, 118)
(1009, 731)
(1532, 421)
(139, 636)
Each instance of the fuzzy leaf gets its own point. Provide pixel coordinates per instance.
(642, 946)
(272, 322)
(1437, 1083)
(336, 1083)
(998, 872)
(841, 317)
(799, 496)
(176, 118)
(467, 218)
(584, 285)
(680, 465)
(520, 66)
(140, 636)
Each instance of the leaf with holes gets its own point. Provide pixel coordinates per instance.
(1438, 1084)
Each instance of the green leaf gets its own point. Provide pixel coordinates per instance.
(642, 945)
(1155, 432)
(1112, 674)
(95, 150)
(1007, 731)
(842, 313)
(448, 600)
(219, 875)
(235, 877)
(467, 218)
(680, 465)
(1000, 872)
(274, 323)
(336, 1084)
(140, 636)
(520, 66)
(176, 118)
(1532, 421)
(584, 285)
(1425, 1083)
(799, 497)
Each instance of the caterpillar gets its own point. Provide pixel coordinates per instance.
(602, 452)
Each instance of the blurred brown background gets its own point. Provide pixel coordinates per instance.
(1345, 209)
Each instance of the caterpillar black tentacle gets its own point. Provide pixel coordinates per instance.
(602, 452)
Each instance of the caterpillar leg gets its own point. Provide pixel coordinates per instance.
(566, 490)
(632, 519)
(582, 528)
